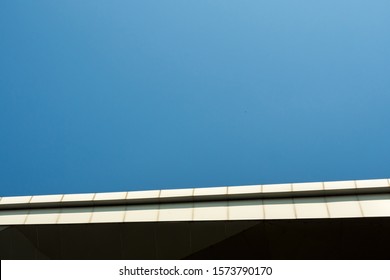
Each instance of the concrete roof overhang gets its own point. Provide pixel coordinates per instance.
(317, 200)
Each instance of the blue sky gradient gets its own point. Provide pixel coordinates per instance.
(125, 95)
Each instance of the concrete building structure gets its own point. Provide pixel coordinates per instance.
(321, 220)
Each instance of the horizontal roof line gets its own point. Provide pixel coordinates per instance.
(319, 189)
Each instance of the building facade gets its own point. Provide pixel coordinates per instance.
(321, 220)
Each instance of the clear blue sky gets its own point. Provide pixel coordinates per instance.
(125, 95)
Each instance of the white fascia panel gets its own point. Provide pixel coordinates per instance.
(372, 183)
(377, 205)
(78, 197)
(46, 198)
(344, 207)
(13, 217)
(277, 188)
(311, 208)
(210, 191)
(279, 209)
(244, 189)
(210, 211)
(141, 213)
(75, 215)
(246, 210)
(308, 187)
(108, 214)
(143, 194)
(176, 212)
(337, 185)
(15, 200)
(110, 196)
(43, 216)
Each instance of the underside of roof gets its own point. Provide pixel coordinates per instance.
(354, 238)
